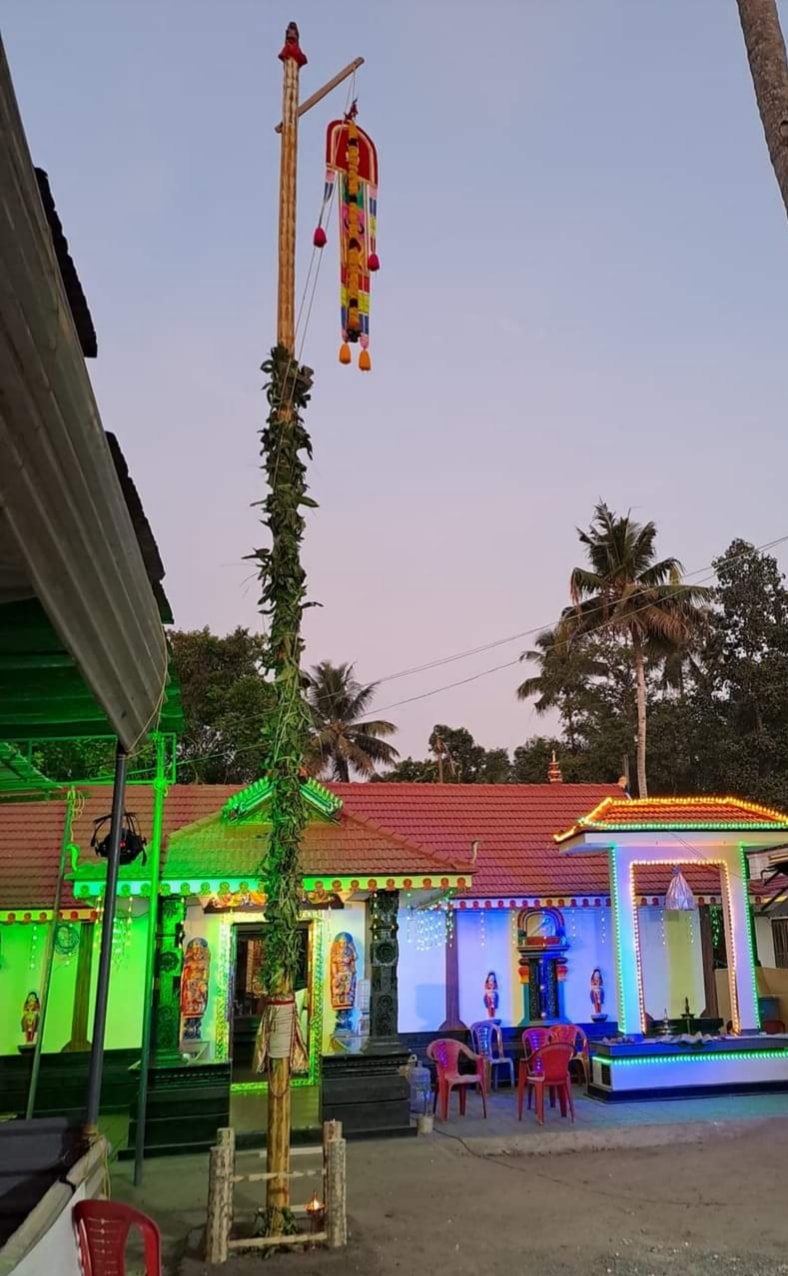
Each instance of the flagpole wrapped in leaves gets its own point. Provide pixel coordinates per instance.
(351, 155)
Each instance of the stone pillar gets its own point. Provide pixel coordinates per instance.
(384, 956)
(167, 982)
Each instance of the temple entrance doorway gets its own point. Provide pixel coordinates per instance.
(247, 1002)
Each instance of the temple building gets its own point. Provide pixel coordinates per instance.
(425, 908)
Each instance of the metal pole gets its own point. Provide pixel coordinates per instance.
(49, 955)
(159, 794)
(105, 957)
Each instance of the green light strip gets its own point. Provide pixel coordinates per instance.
(261, 1087)
(247, 801)
(710, 1057)
(750, 940)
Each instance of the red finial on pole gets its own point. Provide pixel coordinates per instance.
(291, 47)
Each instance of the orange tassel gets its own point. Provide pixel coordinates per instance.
(344, 353)
(364, 361)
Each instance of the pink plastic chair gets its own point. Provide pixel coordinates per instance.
(445, 1054)
(548, 1068)
(102, 1230)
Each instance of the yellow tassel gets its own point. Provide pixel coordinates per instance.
(344, 353)
(364, 361)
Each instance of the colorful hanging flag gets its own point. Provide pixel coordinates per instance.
(351, 155)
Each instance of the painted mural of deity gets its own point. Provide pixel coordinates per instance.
(194, 987)
(597, 994)
(31, 1014)
(491, 994)
(343, 980)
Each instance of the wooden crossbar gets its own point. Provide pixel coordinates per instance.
(296, 1151)
(262, 1242)
(272, 1174)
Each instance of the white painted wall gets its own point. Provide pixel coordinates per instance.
(422, 977)
(22, 950)
(671, 960)
(486, 941)
(590, 935)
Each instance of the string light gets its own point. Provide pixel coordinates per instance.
(450, 923)
(482, 930)
(724, 868)
(769, 818)
(34, 957)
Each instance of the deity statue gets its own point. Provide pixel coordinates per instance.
(491, 997)
(194, 987)
(31, 1013)
(597, 994)
(343, 980)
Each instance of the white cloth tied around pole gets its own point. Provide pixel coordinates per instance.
(279, 1036)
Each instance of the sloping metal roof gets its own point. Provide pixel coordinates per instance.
(66, 536)
(19, 778)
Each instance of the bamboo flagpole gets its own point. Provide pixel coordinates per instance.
(285, 442)
(285, 772)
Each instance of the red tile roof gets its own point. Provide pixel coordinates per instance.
(347, 846)
(31, 834)
(513, 823)
(383, 827)
(697, 813)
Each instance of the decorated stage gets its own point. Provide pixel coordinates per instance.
(652, 1068)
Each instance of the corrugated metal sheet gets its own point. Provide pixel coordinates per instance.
(63, 515)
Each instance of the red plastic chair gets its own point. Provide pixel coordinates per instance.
(577, 1039)
(547, 1069)
(102, 1230)
(445, 1054)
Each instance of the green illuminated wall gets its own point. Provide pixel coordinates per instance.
(19, 947)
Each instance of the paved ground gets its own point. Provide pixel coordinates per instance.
(707, 1197)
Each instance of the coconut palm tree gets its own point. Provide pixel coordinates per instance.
(343, 740)
(567, 664)
(763, 39)
(625, 589)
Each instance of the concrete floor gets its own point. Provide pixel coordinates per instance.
(681, 1187)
